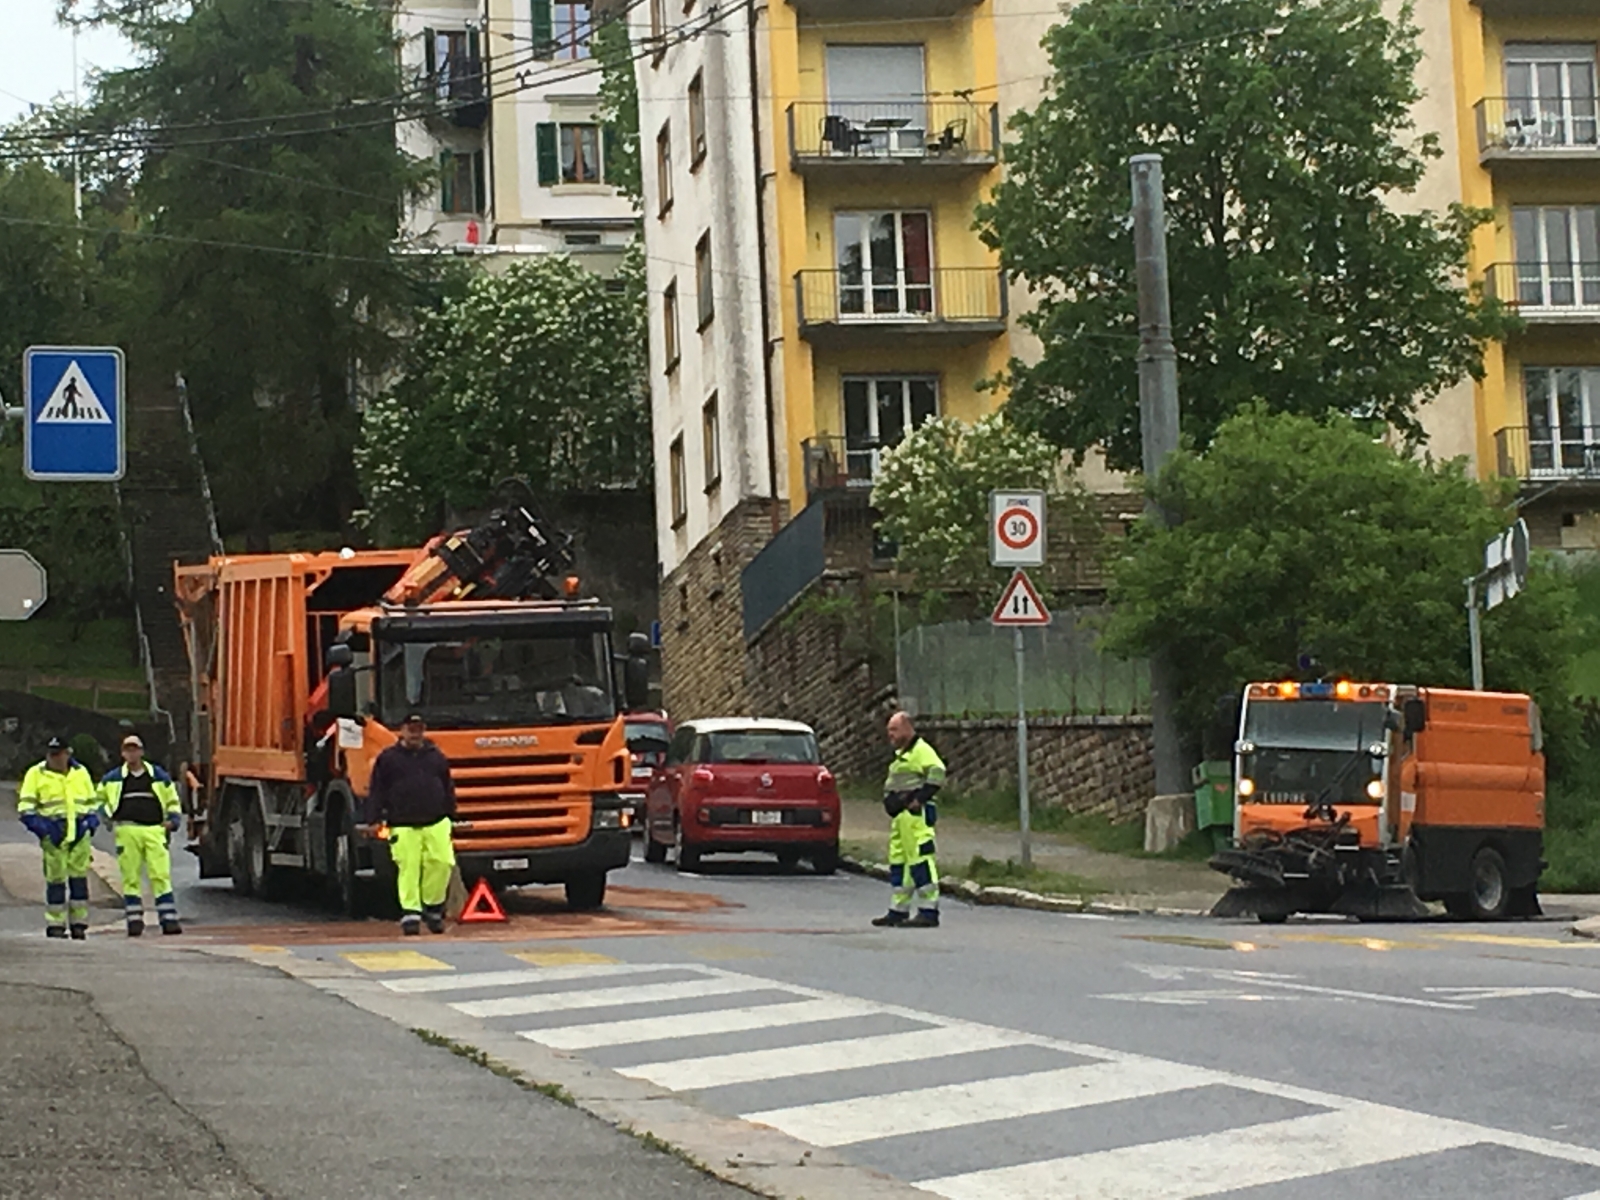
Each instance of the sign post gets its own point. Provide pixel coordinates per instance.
(1504, 574)
(23, 585)
(1019, 607)
(74, 421)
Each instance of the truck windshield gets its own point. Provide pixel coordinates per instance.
(500, 679)
(1314, 724)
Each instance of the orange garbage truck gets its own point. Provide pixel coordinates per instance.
(1368, 799)
(304, 665)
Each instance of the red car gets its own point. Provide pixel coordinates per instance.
(648, 734)
(734, 784)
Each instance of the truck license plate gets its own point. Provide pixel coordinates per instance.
(766, 816)
(510, 864)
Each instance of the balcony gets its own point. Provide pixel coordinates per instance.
(1520, 129)
(1535, 8)
(1548, 293)
(1546, 455)
(847, 138)
(460, 94)
(952, 305)
(837, 465)
(858, 10)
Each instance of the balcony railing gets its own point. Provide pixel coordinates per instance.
(835, 464)
(922, 131)
(1568, 452)
(1528, 127)
(1546, 292)
(947, 300)
(459, 85)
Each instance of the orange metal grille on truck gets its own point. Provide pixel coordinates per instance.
(517, 802)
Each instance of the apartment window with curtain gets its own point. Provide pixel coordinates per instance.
(885, 263)
(570, 152)
(1563, 406)
(1558, 256)
(562, 29)
(462, 183)
(664, 169)
(697, 120)
(879, 410)
(658, 28)
(680, 485)
(669, 326)
(1551, 94)
(711, 442)
(704, 280)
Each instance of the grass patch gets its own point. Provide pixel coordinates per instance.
(988, 873)
(91, 650)
(1091, 830)
(1572, 828)
(479, 1059)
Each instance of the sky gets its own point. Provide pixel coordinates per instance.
(39, 55)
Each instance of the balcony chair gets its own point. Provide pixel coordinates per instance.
(951, 137)
(841, 135)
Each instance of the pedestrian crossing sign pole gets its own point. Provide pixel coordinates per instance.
(73, 417)
(1020, 607)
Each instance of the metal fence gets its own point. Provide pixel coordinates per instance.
(784, 568)
(968, 669)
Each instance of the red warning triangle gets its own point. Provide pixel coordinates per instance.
(482, 905)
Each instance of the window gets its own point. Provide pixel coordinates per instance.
(1550, 94)
(1558, 256)
(702, 278)
(877, 99)
(885, 262)
(462, 187)
(669, 326)
(562, 28)
(680, 486)
(571, 152)
(453, 63)
(664, 168)
(697, 119)
(658, 27)
(1563, 407)
(879, 411)
(711, 442)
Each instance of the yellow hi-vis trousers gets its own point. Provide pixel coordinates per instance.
(66, 872)
(144, 847)
(423, 859)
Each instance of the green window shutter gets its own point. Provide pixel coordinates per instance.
(610, 148)
(544, 29)
(480, 185)
(430, 63)
(447, 182)
(545, 152)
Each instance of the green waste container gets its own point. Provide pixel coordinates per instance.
(1213, 800)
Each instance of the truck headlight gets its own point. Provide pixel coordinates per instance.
(609, 811)
(1375, 789)
(1247, 786)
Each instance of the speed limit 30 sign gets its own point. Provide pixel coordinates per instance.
(1016, 529)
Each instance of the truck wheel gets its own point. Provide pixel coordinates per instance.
(687, 857)
(349, 890)
(238, 844)
(1490, 894)
(586, 892)
(654, 851)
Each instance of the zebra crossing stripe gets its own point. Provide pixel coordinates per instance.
(1212, 1163)
(488, 979)
(950, 1106)
(650, 993)
(721, 1020)
(818, 1058)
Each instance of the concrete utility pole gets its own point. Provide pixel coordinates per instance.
(1158, 428)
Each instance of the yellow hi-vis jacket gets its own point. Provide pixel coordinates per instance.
(67, 795)
(166, 792)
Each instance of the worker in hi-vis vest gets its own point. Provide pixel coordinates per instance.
(916, 773)
(141, 802)
(57, 805)
(411, 793)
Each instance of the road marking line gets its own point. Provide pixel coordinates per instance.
(787, 1062)
(1210, 1163)
(561, 958)
(394, 960)
(1194, 996)
(950, 1106)
(1506, 939)
(722, 1020)
(1343, 993)
(520, 1006)
(1349, 939)
(485, 979)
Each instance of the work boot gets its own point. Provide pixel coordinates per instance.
(411, 925)
(79, 932)
(55, 931)
(926, 918)
(171, 927)
(435, 921)
(891, 918)
(135, 928)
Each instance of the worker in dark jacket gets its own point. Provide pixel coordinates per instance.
(411, 793)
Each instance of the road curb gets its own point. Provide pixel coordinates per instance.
(1010, 897)
(1588, 927)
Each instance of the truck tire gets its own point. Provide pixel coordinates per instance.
(1491, 891)
(347, 890)
(586, 892)
(238, 845)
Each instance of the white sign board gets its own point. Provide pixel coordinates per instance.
(1016, 529)
(1505, 563)
(23, 587)
(1020, 604)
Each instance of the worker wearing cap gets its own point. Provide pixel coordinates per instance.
(57, 804)
(411, 792)
(915, 774)
(142, 803)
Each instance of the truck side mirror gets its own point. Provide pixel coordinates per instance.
(342, 692)
(635, 680)
(1416, 716)
(638, 644)
(339, 655)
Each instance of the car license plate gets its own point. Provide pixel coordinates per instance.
(766, 816)
(510, 864)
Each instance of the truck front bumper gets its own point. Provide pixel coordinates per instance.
(602, 850)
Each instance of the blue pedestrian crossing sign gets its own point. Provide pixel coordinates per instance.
(74, 426)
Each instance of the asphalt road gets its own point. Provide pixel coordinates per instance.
(1021, 1054)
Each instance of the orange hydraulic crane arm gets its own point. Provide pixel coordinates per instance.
(510, 555)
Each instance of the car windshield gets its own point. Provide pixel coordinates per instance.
(1314, 724)
(647, 735)
(506, 678)
(761, 746)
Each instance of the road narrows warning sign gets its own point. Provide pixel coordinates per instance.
(1020, 604)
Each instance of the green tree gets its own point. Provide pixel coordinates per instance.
(619, 105)
(1287, 136)
(1300, 537)
(539, 372)
(933, 491)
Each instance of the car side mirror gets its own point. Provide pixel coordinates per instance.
(1416, 716)
(342, 693)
